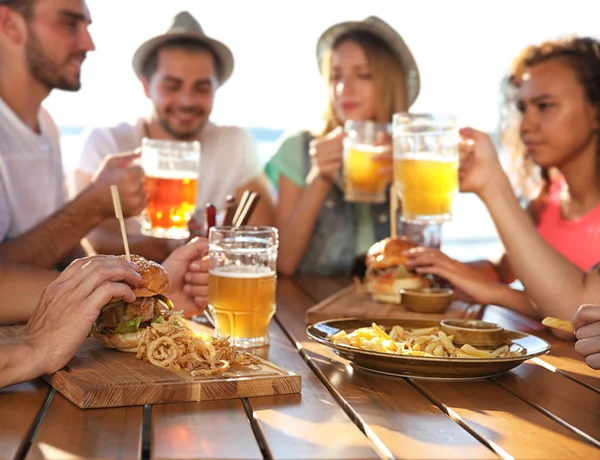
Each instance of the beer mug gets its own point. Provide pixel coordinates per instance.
(425, 165)
(241, 282)
(363, 181)
(171, 169)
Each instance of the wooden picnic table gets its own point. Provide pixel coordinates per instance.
(546, 408)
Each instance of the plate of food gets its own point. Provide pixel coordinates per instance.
(421, 348)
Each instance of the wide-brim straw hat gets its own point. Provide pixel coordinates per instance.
(185, 26)
(384, 32)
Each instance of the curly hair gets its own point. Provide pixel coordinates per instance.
(582, 55)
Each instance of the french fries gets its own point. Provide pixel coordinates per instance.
(429, 341)
(561, 324)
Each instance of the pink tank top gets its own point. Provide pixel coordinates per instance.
(578, 240)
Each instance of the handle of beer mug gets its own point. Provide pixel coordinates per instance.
(205, 319)
(209, 317)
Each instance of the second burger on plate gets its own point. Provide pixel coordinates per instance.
(386, 271)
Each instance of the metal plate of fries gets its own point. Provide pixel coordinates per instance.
(417, 348)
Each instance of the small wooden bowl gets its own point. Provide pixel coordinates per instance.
(427, 300)
(480, 334)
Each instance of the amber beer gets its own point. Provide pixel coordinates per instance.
(362, 177)
(171, 201)
(241, 282)
(242, 301)
(427, 186)
(171, 169)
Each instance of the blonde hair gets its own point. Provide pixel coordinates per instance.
(389, 78)
(582, 55)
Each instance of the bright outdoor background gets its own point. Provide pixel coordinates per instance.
(463, 49)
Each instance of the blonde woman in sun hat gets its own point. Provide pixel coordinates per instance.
(370, 74)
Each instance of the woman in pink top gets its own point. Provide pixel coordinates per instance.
(551, 126)
(577, 239)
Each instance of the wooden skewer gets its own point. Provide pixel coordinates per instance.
(393, 212)
(119, 213)
(249, 207)
(241, 206)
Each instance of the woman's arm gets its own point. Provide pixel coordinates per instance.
(299, 207)
(556, 285)
(500, 271)
(295, 216)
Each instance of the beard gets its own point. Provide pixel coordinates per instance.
(47, 71)
(183, 134)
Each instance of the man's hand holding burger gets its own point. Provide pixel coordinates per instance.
(72, 304)
(64, 316)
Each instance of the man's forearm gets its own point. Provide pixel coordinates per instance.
(20, 288)
(17, 362)
(106, 239)
(47, 244)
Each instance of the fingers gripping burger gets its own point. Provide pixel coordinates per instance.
(386, 271)
(119, 323)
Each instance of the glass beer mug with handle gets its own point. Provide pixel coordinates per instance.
(242, 279)
(171, 169)
(425, 165)
(363, 181)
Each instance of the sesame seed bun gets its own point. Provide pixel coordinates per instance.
(155, 279)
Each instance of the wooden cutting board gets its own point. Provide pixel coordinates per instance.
(353, 303)
(100, 377)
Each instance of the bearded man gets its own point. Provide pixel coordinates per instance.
(43, 44)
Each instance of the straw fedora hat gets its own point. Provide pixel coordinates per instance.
(387, 34)
(185, 26)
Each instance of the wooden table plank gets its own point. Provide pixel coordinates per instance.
(514, 426)
(512, 320)
(290, 424)
(207, 429)
(562, 356)
(574, 404)
(394, 414)
(533, 393)
(320, 287)
(309, 425)
(68, 431)
(20, 406)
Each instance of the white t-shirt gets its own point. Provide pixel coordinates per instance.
(228, 158)
(31, 177)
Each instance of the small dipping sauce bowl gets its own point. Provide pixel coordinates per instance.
(427, 300)
(480, 334)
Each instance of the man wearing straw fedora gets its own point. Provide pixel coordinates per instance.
(181, 71)
(43, 44)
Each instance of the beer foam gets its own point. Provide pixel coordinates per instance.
(429, 156)
(368, 148)
(166, 174)
(242, 271)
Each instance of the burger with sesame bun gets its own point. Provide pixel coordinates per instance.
(386, 271)
(119, 323)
